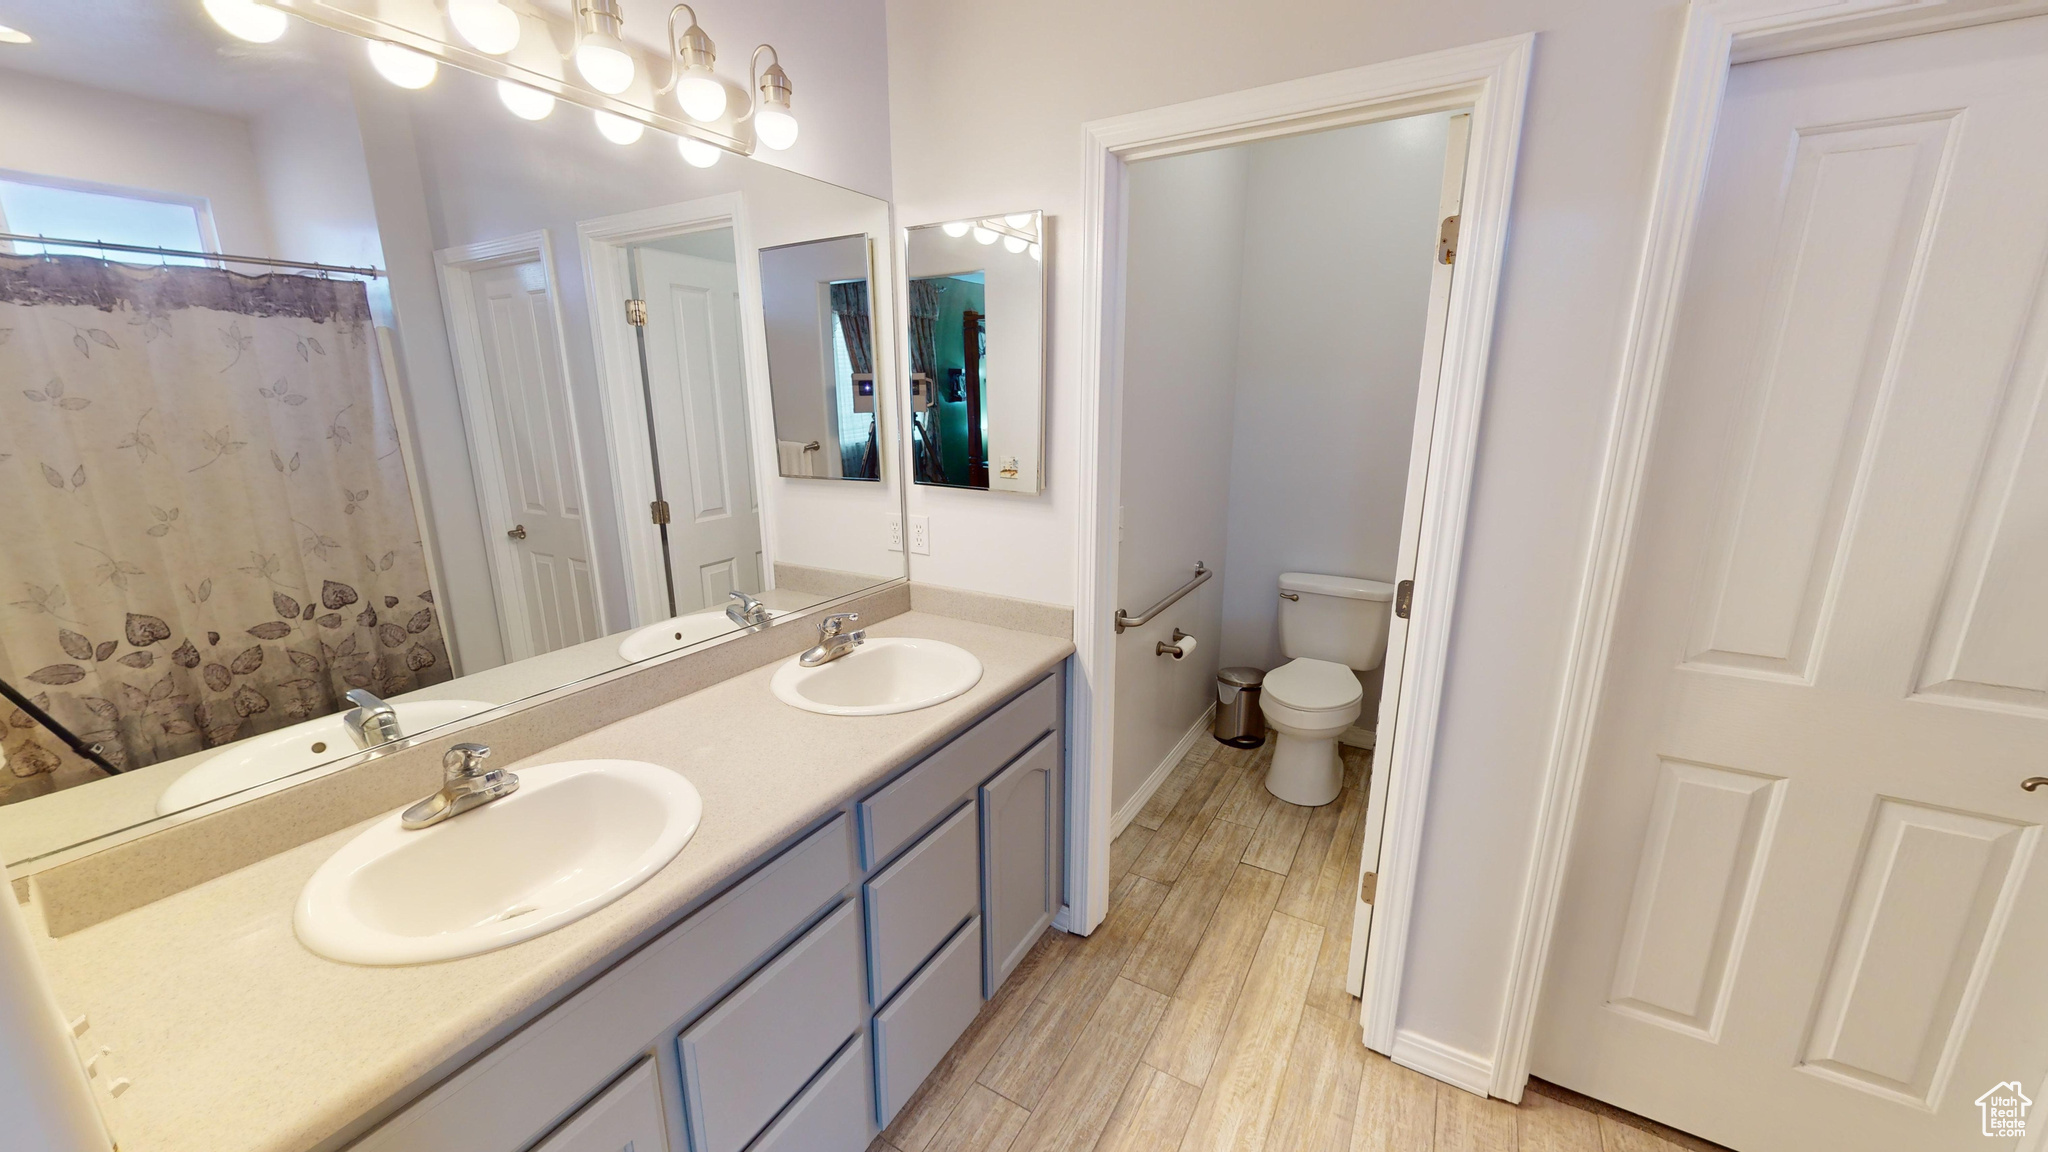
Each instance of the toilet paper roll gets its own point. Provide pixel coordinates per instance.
(1179, 647)
(1186, 644)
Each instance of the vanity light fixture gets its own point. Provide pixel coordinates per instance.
(1037, 252)
(246, 19)
(618, 129)
(13, 35)
(698, 153)
(956, 228)
(984, 234)
(601, 55)
(488, 25)
(774, 125)
(1014, 244)
(691, 57)
(524, 102)
(1020, 220)
(400, 65)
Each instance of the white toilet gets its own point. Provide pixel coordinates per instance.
(1329, 627)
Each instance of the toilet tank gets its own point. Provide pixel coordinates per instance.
(1342, 619)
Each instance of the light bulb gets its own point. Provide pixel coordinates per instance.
(955, 228)
(488, 25)
(702, 97)
(1014, 243)
(247, 19)
(618, 129)
(1020, 220)
(984, 235)
(1037, 253)
(402, 66)
(608, 69)
(698, 153)
(14, 36)
(776, 128)
(525, 103)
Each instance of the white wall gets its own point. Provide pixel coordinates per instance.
(1181, 346)
(1339, 241)
(979, 126)
(55, 128)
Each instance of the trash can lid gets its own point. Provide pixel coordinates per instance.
(1241, 677)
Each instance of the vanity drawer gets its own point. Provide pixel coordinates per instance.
(914, 1031)
(750, 1055)
(516, 1091)
(890, 817)
(833, 1113)
(625, 1115)
(918, 902)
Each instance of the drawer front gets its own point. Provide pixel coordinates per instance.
(913, 800)
(914, 1031)
(748, 1057)
(528, 1083)
(1020, 861)
(627, 1116)
(833, 1113)
(918, 902)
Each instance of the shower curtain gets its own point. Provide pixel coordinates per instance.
(850, 305)
(207, 531)
(924, 360)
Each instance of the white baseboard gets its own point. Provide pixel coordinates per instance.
(1136, 803)
(1358, 737)
(1453, 1066)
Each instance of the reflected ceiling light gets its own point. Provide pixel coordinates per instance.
(488, 25)
(13, 35)
(984, 235)
(525, 103)
(691, 56)
(600, 54)
(618, 129)
(243, 18)
(698, 153)
(1020, 220)
(1037, 253)
(773, 123)
(1014, 243)
(402, 66)
(956, 228)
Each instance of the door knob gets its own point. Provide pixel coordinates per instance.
(2033, 782)
(517, 532)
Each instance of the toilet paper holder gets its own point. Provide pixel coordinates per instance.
(1179, 646)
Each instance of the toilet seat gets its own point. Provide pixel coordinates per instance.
(1311, 694)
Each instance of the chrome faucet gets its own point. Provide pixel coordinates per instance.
(748, 613)
(833, 641)
(465, 784)
(372, 721)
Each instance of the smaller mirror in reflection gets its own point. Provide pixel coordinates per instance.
(977, 352)
(816, 307)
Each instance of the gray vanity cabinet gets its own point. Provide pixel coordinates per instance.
(625, 1115)
(1020, 861)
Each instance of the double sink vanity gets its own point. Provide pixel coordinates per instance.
(752, 919)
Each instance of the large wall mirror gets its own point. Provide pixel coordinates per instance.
(977, 353)
(336, 411)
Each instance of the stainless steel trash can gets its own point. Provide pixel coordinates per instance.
(1239, 723)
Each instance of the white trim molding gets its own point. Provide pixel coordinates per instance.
(1717, 33)
(1453, 1066)
(1491, 80)
(1181, 748)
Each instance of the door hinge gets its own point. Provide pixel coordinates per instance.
(1368, 887)
(659, 509)
(1447, 241)
(1404, 596)
(636, 312)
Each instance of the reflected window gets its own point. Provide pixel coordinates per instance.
(144, 219)
(854, 398)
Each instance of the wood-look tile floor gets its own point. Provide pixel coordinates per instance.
(1208, 1011)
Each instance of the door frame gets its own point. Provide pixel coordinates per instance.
(456, 269)
(1491, 79)
(1718, 34)
(606, 243)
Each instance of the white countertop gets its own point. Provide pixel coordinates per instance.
(238, 1039)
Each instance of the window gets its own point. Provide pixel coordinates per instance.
(855, 426)
(32, 207)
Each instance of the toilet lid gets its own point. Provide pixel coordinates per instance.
(1313, 685)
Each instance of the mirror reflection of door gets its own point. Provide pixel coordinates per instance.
(817, 306)
(694, 380)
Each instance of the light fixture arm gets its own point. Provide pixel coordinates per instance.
(771, 87)
(686, 50)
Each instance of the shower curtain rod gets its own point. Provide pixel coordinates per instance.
(223, 257)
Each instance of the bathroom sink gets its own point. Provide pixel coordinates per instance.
(275, 755)
(681, 632)
(575, 837)
(885, 675)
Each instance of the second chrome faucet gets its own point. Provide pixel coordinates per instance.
(833, 640)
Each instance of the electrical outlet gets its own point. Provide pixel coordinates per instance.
(921, 535)
(895, 532)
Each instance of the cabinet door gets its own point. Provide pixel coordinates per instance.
(625, 1117)
(835, 1114)
(915, 905)
(1020, 883)
(914, 1031)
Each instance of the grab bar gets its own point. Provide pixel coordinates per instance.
(1124, 621)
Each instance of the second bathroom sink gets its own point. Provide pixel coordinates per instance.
(883, 676)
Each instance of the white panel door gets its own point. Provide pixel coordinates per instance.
(1803, 908)
(545, 583)
(696, 384)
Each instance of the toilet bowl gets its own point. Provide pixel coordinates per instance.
(1331, 627)
(1308, 704)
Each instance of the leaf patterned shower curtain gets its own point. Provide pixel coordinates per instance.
(207, 531)
(850, 304)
